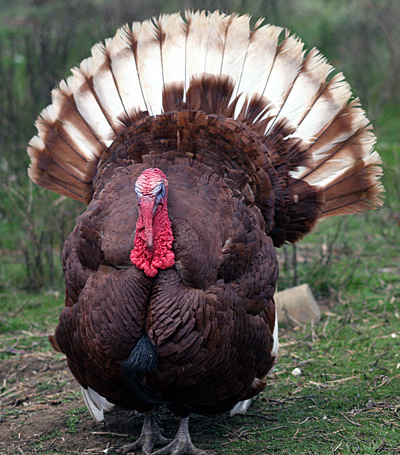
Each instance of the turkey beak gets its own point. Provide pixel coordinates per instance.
(147, 208)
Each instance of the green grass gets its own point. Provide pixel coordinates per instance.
(22, 310)
(74, 417)
(52, 435)
(26, 320)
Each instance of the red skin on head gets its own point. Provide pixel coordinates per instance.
(153, 241)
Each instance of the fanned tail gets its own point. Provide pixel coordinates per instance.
(316, 138)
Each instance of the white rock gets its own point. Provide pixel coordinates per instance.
(297, 305)
(297, 372)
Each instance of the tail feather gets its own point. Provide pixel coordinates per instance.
(332, 99)
(285, 69)
(259, 59)
(149, 64)
(88, 103)
(65, 110)
(235, 48)
(314, 133)
(345, 166)
(356, 189)
(105, 84)
(172, 35)
(213, 29)
(306, 89)
(346, 138)
(65, 152)
(123, 62)
(195, 45)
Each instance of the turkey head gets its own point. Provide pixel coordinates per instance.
(153, 240)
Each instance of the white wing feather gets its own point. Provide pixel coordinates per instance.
(95, 403)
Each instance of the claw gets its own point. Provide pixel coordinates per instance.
(182, 443)
(149, 438)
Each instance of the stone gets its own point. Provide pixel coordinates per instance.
(297, 305)
(297, 372)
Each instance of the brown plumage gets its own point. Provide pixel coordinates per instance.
(198, 146)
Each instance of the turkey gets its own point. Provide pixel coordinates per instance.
(198, 144)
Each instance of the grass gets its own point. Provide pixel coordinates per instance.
(26, 320)
(74, 419)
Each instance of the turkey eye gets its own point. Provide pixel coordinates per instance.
(160, 193)
(138, 195)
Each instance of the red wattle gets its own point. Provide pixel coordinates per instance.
(161, 255)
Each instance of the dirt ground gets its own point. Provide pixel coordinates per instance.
(41, 411)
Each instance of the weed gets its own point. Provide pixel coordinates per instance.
(46, 437)
(74, 419)
(45, 386)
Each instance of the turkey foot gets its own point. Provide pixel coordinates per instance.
(150, 437)
(182, 444)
